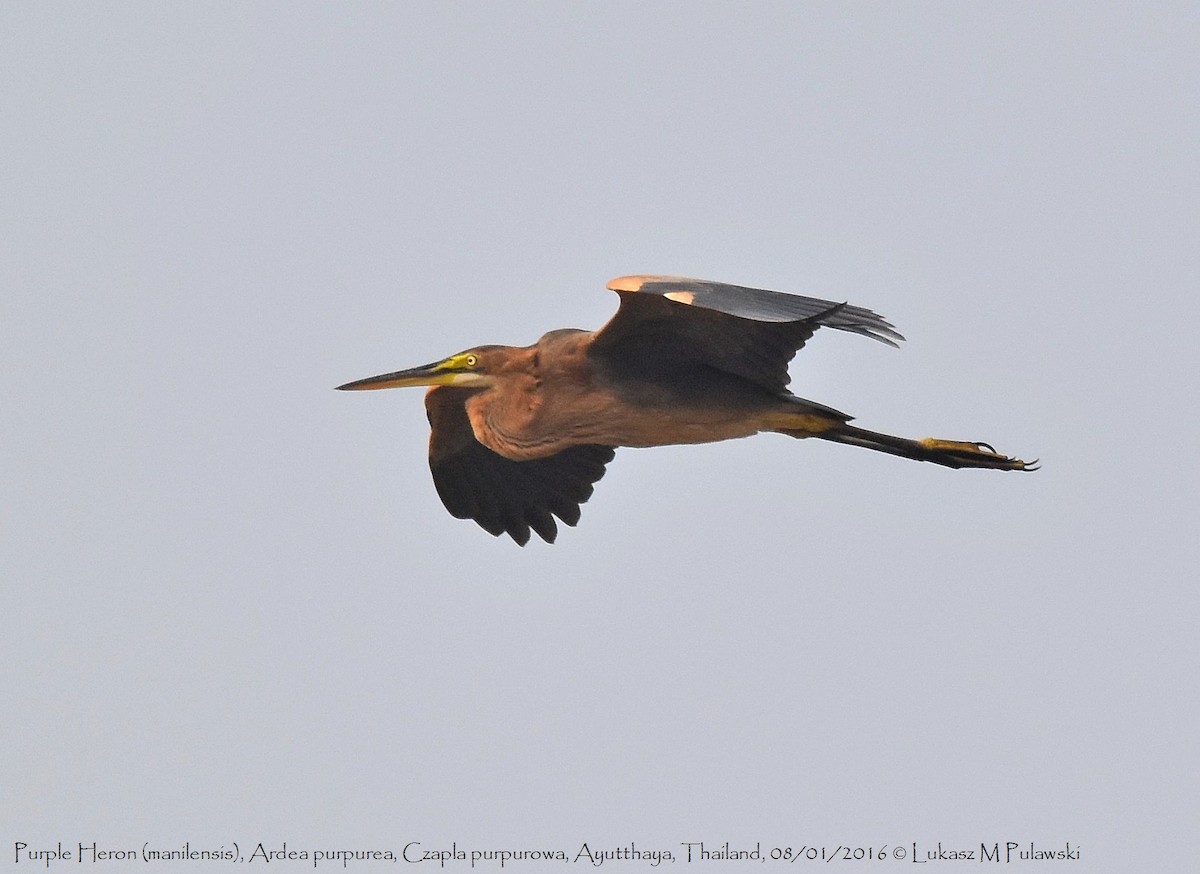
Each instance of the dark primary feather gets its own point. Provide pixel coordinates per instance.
(762, 305)
(501, 495)
(751, 333)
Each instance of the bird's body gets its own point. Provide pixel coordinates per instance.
(535, 411)
(520, 434)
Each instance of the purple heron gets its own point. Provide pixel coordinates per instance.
(521, 433)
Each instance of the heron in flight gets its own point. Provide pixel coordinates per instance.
(521, 433)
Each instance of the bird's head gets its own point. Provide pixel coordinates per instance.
(474, 368)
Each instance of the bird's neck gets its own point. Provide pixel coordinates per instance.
(511, 416)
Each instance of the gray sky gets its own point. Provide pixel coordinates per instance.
(235, 609)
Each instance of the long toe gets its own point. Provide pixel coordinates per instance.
(972, 453)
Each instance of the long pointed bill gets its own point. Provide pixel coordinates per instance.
(428, 374)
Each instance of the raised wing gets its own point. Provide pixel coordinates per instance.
(501, 495)
(749, 332)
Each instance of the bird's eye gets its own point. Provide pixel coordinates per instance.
(472, 360)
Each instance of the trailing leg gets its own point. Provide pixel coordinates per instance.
(948, 453)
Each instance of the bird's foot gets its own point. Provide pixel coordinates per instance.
(969, 453)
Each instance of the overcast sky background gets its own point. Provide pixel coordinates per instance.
(234, 608)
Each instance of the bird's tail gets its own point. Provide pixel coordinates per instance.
(948, 453)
